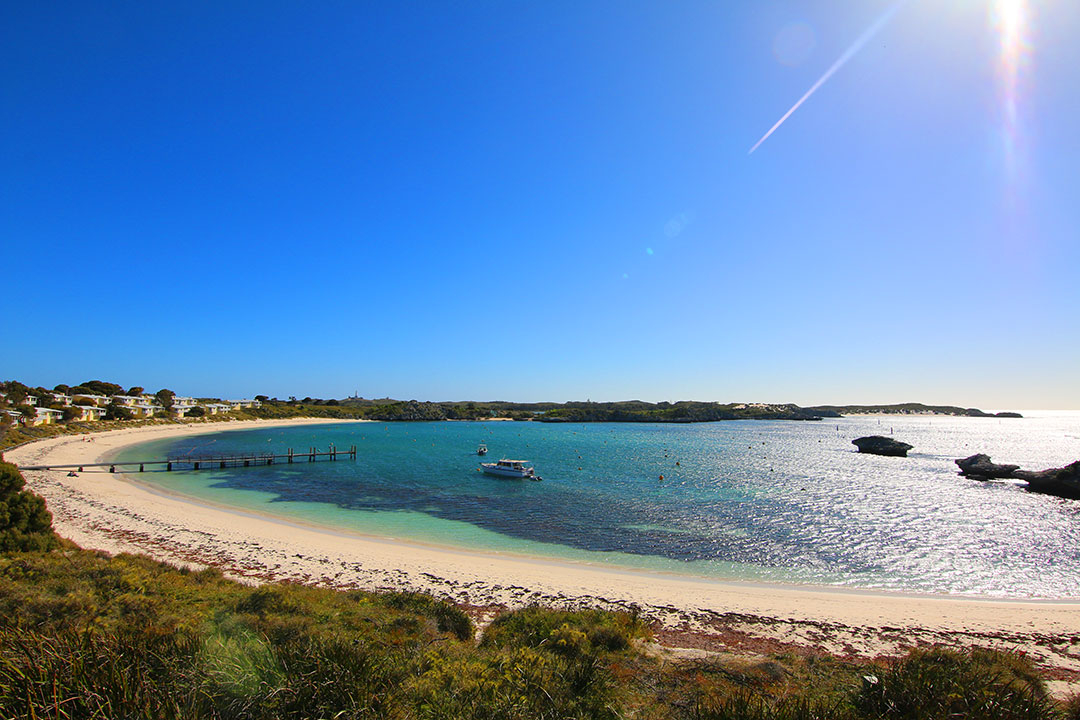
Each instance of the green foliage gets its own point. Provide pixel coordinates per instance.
(115, 411)
(83, 635)
(25, 522)
(448, 617)
(71, 413)
(564, 631)
(165, 397)
(940, 683)
(99, 387)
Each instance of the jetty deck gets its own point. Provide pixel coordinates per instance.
(206, 462)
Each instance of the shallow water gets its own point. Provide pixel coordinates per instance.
(759, 500)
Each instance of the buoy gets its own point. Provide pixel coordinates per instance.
(661, 477)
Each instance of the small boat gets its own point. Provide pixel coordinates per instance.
(510, 469)
(482, 450)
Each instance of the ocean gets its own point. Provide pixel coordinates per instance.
(771, 501)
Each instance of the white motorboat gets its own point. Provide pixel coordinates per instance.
(482, 450)
(510, 469)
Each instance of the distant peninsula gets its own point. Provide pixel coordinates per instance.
(908, 409)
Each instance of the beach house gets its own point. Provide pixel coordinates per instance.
(90, 413)
(183, 405)
(47, 416)
(99, 400)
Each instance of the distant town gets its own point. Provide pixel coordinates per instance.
(96, 400)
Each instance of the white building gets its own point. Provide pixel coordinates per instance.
(217, 408)
(61, 398)
(145, 409)
(91, 412)
(100, 400)
(47, 416)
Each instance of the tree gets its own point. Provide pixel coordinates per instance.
(197, 412)
(25, 522)
(165, 397)
(99, 387)
(82, 400)
(64, 389)
(26, 411)
(71, 413)
(116, 411)
(136, 391)
(261, 398)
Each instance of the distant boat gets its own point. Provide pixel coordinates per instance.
(482, 450)
(511, 469)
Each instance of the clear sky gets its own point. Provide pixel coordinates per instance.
(545, 200)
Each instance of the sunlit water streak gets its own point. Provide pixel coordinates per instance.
(782, 501)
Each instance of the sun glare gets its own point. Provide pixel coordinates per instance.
(1011, 19)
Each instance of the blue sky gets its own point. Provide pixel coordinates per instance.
(542, 201)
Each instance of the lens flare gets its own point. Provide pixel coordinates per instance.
(1011, 18)
(848, 54)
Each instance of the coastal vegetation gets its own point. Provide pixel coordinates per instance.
(88, 635)
(909, 409)
(14, 396)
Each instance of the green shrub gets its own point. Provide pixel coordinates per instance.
(940, 683)
(510, 684)
(539, 627)
(447, 616)
(25, 522)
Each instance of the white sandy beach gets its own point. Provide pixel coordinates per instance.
(111, 512)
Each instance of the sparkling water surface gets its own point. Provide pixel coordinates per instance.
(750, 500)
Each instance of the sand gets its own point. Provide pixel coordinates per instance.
(112, 512)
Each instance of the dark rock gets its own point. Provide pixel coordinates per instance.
(980, 468)
(1008, 415)
(878, 445)
(1062, 482)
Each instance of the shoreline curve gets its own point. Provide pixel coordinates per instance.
(104, 511)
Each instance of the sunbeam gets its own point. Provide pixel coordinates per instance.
(848, 54)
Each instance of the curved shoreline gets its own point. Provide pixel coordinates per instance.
(101, 511)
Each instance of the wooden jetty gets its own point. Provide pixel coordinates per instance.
(206, 462)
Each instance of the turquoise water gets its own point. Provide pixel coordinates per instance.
(756, 500)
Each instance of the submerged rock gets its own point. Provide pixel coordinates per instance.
(878, 445)
(1062, 482)
(981, 468)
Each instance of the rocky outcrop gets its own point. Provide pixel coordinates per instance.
(981, 468)
(1062, 482)
(878, 445)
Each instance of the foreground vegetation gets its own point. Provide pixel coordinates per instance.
(86, 635)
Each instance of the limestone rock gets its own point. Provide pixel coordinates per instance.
(878, 445)
(1063, 481)
(981, 468)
